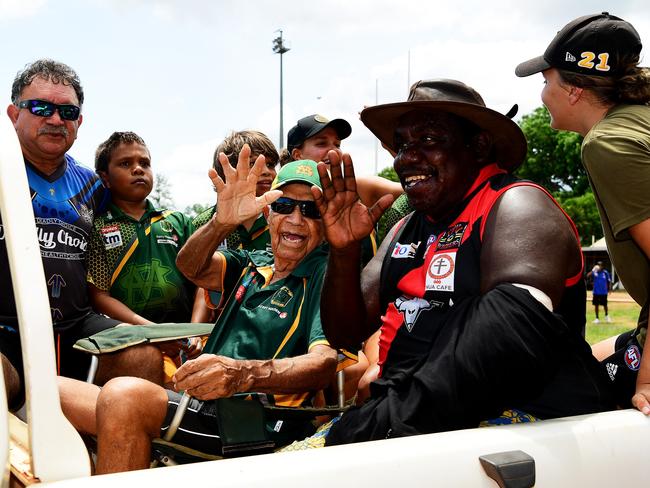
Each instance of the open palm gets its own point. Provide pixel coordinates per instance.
(236, 201)
(345, 218)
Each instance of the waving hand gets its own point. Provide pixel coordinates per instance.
(236, 196)
(345, 218)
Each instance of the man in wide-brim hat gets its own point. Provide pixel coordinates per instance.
(478, 292)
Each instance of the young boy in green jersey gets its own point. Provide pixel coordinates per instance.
(132, 274)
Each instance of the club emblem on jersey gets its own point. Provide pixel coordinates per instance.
(410, 308)
(281, 297)
(111, 236)
(85, 213)
(401, 251)
(633, 357)
(166, 226)
(452, 237)
(440, 275)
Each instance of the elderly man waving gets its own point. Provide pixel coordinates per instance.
(268, 339)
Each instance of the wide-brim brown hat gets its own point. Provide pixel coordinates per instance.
(459, 99)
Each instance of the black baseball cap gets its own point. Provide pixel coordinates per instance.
(588, 45)
(311, 125)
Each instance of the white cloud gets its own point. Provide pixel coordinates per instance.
(186, 167)
(15, 9)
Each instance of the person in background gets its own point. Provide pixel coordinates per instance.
(314, 136)
(602, 286)
(253, 234)
(593, 85)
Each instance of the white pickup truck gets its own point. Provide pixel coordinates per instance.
(600, 450)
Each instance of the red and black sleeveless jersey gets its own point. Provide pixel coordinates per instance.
(430, 265)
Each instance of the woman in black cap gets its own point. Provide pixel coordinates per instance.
(314, 136)
(594, 86)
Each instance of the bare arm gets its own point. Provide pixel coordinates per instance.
(641, 400)
(211, 376)
(198, 259)
(529, 241)
(201, 313)
(372, 188)
(347, 319)
(103, 302)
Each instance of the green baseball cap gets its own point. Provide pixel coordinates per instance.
(302, 171)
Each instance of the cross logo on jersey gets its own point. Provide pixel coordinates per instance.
(440, 275)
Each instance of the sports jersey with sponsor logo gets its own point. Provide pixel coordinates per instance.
(64, 205)
(430, 266)
(135, 261)
(264, 320)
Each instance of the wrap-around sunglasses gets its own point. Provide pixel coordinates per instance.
(285, 205)
(43, 108)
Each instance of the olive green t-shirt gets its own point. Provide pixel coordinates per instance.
(616, 156)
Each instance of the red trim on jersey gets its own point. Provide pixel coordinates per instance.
(569, 281)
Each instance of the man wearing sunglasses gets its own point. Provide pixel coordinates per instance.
(45, 109)
(268, 339)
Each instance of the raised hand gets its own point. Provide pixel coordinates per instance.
(236, 201)
(345, 218)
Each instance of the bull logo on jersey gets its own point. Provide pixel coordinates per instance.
(410, 308)
(452, 237)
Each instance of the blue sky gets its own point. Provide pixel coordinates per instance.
(183, 74)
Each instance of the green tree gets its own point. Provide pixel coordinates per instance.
(553, 158)
(553, 161)
(161, 196)
(584, 213)
(196, 209)
(389, 173)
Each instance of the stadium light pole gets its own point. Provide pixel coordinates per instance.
(280, 48)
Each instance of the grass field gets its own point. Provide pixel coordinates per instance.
(624, 316)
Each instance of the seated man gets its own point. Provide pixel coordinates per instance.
(268, 339)
(46, 111)
(476, 320)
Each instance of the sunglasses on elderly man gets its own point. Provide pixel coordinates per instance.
(42, 108)
(285, 205)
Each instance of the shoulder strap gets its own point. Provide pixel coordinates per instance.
(399, 229)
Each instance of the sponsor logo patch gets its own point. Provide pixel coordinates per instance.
(452, 237)
(402, 251)
(441, 272)
(633, 357)
(111, 236)
(173, 240)
(611, 370)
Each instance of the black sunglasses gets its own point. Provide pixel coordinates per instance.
(285, 205)
(46, 109)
